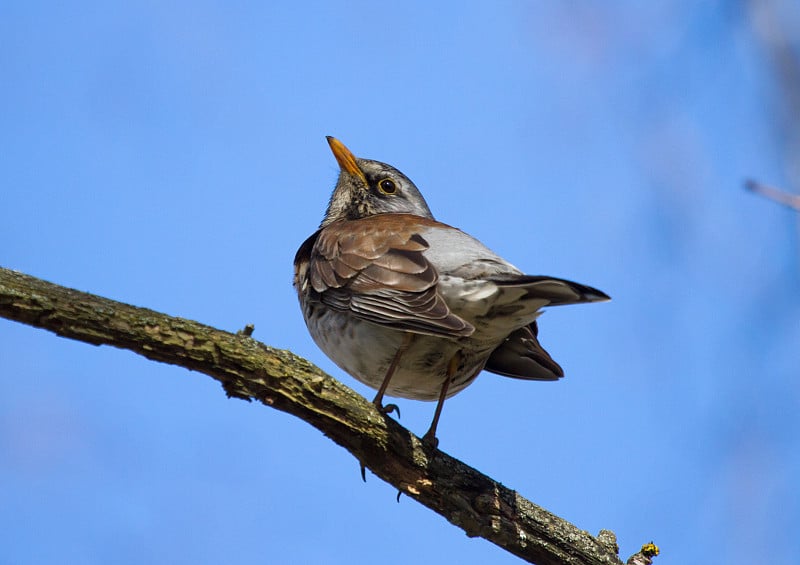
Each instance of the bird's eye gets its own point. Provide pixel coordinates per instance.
(387, 186)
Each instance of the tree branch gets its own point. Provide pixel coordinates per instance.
(250, 370)
(779, 196)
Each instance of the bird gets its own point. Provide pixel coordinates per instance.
(413, 307)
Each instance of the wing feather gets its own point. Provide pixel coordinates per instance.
(375, 268)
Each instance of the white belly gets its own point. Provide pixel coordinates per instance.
(365, 351)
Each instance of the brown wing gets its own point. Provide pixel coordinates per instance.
(375, 269)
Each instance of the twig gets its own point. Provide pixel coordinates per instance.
(779, 196)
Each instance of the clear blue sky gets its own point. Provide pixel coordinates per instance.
(172, 155)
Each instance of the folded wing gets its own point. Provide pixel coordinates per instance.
(375, 269)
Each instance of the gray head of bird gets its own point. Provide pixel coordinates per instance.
(366, 188)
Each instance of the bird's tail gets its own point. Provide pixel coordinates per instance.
(555, 292)
(521, 356)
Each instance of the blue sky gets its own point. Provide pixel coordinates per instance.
(172, 155)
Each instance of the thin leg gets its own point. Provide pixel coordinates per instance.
(378, 401)
(452, 367)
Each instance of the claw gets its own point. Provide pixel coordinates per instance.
(363, 471)
(430, 439)
(389, 408)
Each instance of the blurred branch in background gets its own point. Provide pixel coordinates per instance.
(779, 196)
(776, 26)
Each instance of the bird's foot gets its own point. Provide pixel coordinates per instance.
(387, 409)
(430, 439)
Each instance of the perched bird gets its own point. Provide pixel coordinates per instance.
(413, 307)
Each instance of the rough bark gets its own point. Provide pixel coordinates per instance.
(250, 370)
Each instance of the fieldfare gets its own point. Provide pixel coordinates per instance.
(413, 307)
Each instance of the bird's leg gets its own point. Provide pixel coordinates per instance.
(452, 366)
(378, 401)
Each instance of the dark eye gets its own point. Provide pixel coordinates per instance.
(387, 186)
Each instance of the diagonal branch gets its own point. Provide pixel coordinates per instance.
(250, 370)
(779, 196)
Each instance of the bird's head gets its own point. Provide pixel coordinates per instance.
(366, 188)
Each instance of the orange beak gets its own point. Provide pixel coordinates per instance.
(346, 160)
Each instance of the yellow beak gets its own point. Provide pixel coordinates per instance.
(345, 158)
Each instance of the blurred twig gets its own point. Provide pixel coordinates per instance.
(775, 26)
(779, 196)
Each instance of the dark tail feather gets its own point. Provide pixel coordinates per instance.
(522, 357)
(556, 291)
